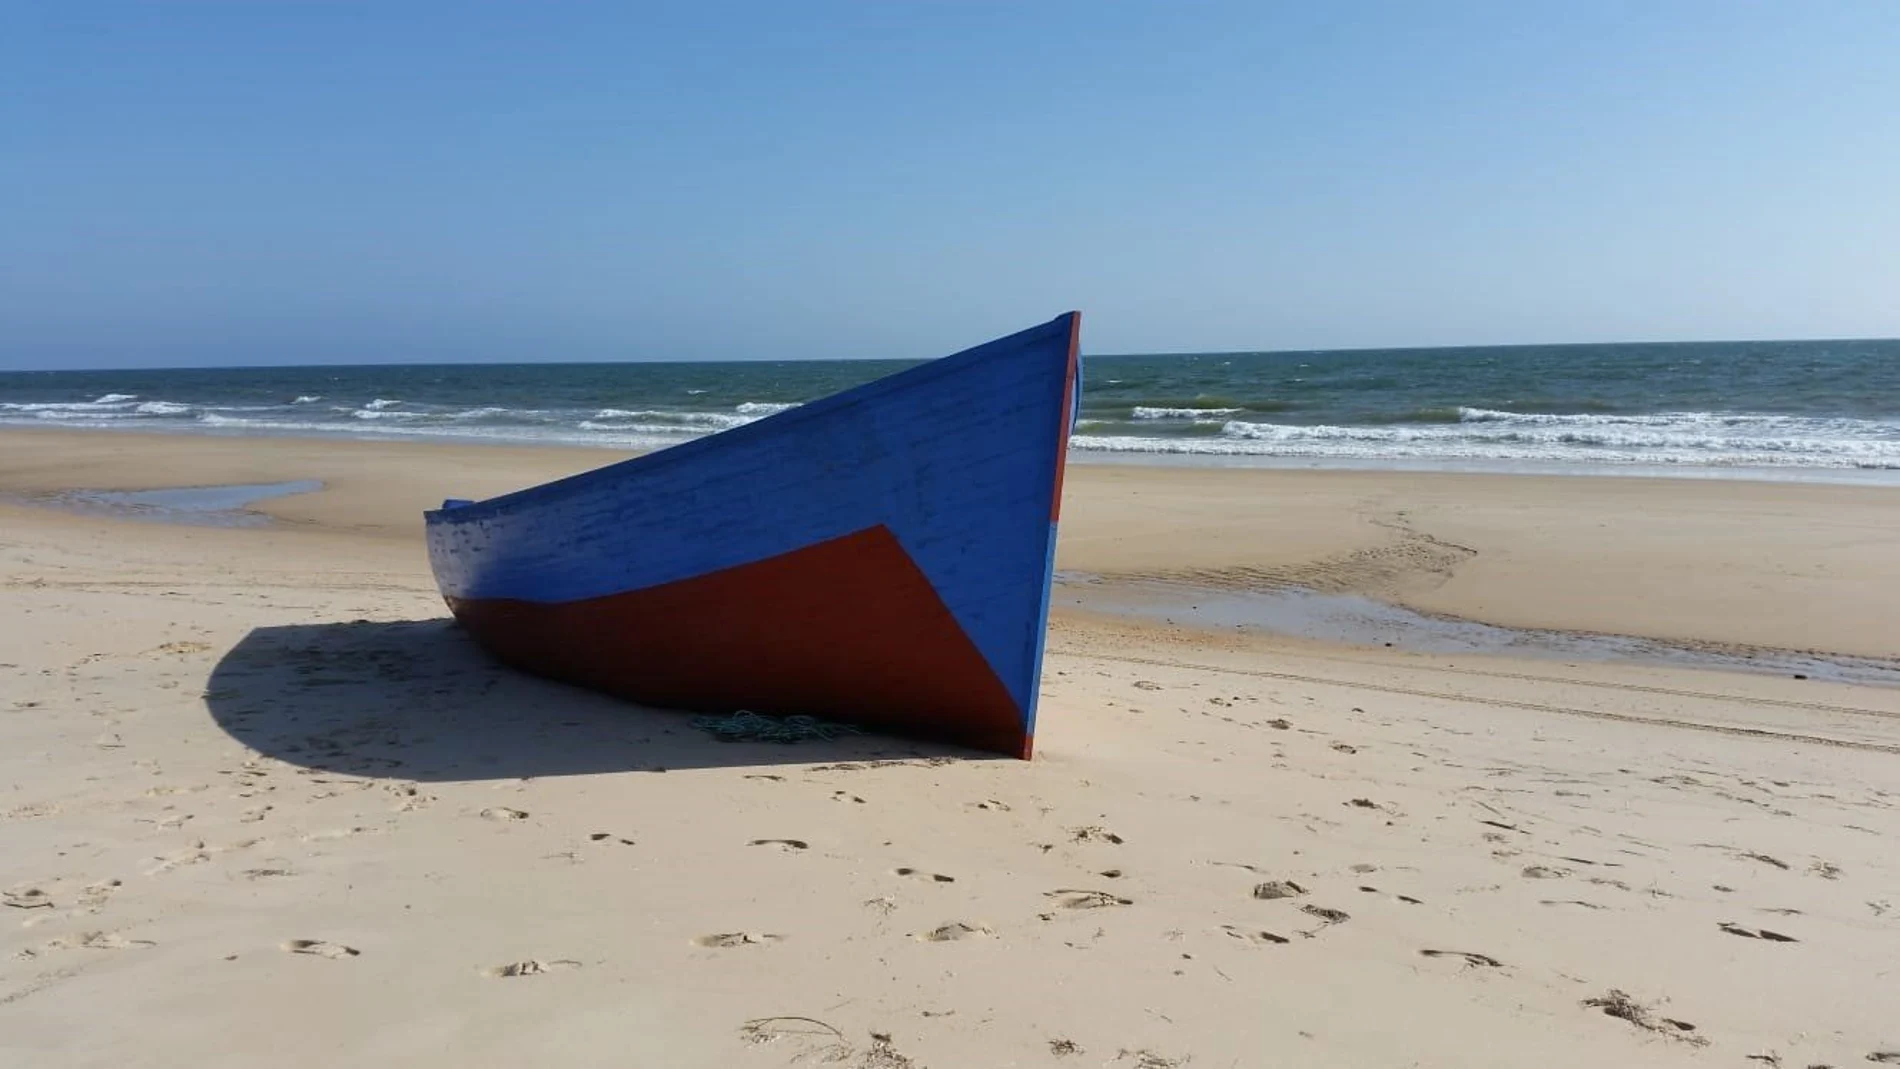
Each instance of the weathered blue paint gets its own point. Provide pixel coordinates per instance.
(961, 459)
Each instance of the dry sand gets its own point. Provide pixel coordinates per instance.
(260, 804)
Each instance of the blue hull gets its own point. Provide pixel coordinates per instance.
(882, 555)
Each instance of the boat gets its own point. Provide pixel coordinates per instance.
(881, 557)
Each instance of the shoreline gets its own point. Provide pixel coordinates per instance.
(1785, 566)
(1874, 476)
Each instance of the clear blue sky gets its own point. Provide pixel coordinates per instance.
(239, 183)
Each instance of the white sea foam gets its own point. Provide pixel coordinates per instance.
(119, 401)
(1684, 438)
(1148, 412)
(72, 415)
(676, 432)
(678, 419)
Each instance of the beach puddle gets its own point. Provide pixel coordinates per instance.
(225, 505)
(1351, 620)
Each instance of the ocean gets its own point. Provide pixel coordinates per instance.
(1807, 409)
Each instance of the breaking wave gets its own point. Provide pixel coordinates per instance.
(1148, 412)
(1678, 438)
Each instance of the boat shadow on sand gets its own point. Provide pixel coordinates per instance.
(418, 700)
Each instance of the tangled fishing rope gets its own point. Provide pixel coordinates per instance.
(744, 726)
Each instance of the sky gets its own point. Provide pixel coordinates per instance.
(233, 183)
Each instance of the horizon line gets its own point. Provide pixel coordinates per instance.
(1357, 349)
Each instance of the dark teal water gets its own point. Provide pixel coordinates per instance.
(1792, 407)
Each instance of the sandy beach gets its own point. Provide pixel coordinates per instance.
(260, 803)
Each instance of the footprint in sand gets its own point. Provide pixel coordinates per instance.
(1094, 834)
(1073, 898)
(1273, 889)
(321, 949)
(252, 816)
(787, 845)
(846, 796)
(191, 856)
(935, 877)
(1258, 938)
(333, 833)
(724, 940)
(100, 941)
(1469, 958)
(93, 898)
(503, 814)
(1756, 933)
(1407, 899)
(1327, 917)
(529, 968)
(27, 898)
(1618, 1004)
(409, 797)
(603, 836)
(955, 930)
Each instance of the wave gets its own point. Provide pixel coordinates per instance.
(678, 419)
(1156, 412)
(117, 402)
(77, 415)
(1873, 459)
(1668, 419)
(1680, 438)
(669, 430)
(1201, 426)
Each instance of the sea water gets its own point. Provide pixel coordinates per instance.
(224, 505)
(1805, 409)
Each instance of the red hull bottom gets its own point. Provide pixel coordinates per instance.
(848, 629)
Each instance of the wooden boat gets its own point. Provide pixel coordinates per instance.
(881, 556)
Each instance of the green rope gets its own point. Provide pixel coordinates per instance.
(744, 726)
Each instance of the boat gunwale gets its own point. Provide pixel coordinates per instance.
(736, 436)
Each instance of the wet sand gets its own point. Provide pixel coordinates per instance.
(259, 802)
